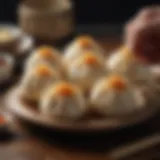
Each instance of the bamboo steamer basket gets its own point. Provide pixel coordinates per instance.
(50, 20)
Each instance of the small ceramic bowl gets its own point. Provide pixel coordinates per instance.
(6, 67)
(10, 37)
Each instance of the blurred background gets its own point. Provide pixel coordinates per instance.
(87, 11)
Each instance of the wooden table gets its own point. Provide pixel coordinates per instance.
(32, 147)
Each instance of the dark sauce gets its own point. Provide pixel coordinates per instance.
(2, 61)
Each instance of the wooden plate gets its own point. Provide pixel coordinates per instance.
(29, 113)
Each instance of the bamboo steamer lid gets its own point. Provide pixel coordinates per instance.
(46, 19)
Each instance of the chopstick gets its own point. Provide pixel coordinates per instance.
(134, 148)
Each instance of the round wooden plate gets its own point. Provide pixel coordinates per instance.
(29, 113)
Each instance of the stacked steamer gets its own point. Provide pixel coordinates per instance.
(83, 81)
(47, 21)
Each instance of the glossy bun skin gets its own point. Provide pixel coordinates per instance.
(44, 55)
(34, 83)
(86, 70)
(79, 46)
(63, 101)
(113, 96)
(124, 62)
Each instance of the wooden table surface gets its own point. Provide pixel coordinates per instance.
(22, 146)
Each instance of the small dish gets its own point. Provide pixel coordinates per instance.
(10, 37)
(18, 45)
(13, 34)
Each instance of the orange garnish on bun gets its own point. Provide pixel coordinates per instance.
(117, 82)
(46, 52)
(64, 89)
(90, 59)
(44, 71)
(85, 41)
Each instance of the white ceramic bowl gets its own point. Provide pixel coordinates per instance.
(10, 44)
(12, 29)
